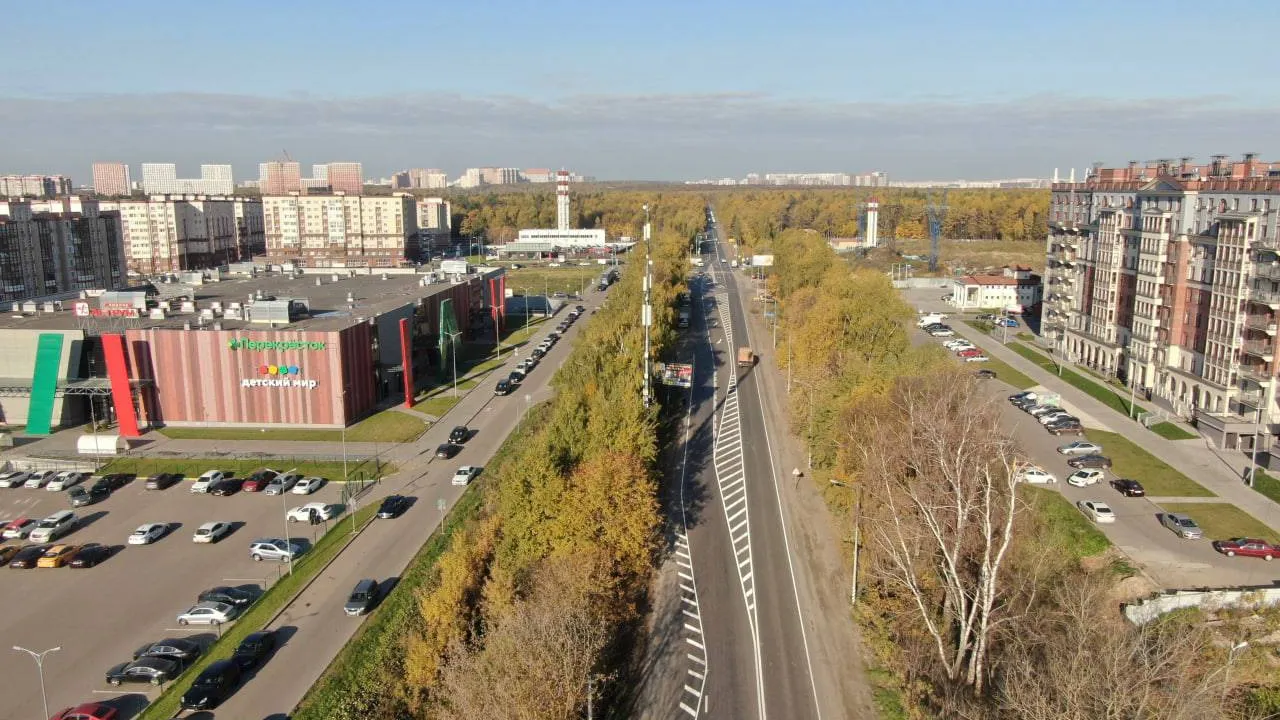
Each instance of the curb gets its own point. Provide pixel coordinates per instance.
(350, 539)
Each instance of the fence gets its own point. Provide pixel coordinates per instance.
(1145, 611)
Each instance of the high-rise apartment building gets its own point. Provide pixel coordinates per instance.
(162, 179)
(435, 222)
(34, 186)
(345, 177)
(401, 180)
(430, 178)
(341, 230)
(111, 178)
(1167, 275)
(279, 177)
(59, 246)
(538, 175)
(170, 233)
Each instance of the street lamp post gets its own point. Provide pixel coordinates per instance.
(453, 355)
(646, 312)
(39, 658)
(284, 521)
(525, 296)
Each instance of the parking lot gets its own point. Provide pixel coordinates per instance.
(99, 615)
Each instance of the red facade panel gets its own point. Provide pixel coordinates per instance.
(121, 396)
(406, 361)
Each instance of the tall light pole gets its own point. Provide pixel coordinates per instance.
(453, 355)
(39, 658)
(646, 311)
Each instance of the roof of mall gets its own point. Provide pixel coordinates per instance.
(373, 294)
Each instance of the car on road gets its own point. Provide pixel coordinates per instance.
(154, 670)
(283, 483)
(1086, 477)
(57, 556)
(1034, 475)
(515, 377)
(1080, 447)
(307, 485)
(163, 481)
(254, 648)
(1097, 511)
(362, 598)
(211, 532)
(89, 555)
(87, 711)
(465, 474)
(18, 528)
(537, 353)
(302, 513)
(1182, 526)
(1101, 462)
(27, 557)
(80, 496)
(274, 549)
(208, 613)
(447, 450)
(206, 480)
(54, 526)
(1129, 488)
(13, 478)
(392, 507)
(259, 480)
(459, 434)
(179, 649)
(213, 685)
(1247, 547)
(228, 595)
(148, 533)
(38, 480)
(503, 387)
(65, 480)
(226, 487)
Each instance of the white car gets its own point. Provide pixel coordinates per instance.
(977, 358)
(1084, 478)
(38, 479)
(64, 480)
(1096, 511)
(1035, 476)
(211, 532)
(13, 478)
(942, 333)
(306, 486)
(302, 513)
(208, 613)
(147, 534)
(1080, 447)
(957, 344)
(1050, 417)
(1038, 410)
(206, 480)
(282, 483)
(464, 474)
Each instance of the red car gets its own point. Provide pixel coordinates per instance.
(971, 352)
(1249, 547)
(258, 481)
(87, 711)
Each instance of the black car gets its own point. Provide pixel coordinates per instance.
(227, 486)
(254, 648)
(179, 649)
(503, 387)
(1100, 462)
(212, 686)
(155, 670)
(163, 481)
(985, 374)
(515, 376)
(115, 481)
(1069, 428)
(362, 597)
(27, 557)
(89, 555)
(536, 353)
(228, 595)
(1129, 488)
(447, 450)
(80, 496)
(392, 506)
(580, 308)
(459, 434)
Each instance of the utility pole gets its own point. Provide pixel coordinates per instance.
(646, 312)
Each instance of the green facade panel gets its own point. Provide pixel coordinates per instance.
(44, 383)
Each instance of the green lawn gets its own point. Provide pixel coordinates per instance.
(1026, 337)
(571, 279)
(1065, 526)
(1267, 485)
(258, 615)
(1002, 370)
(1169, 431)
(1117, 402)
(1222, 520)
(982, 326)
(1130, 461)
(192, 467)
(390, 426)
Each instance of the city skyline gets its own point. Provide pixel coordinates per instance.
(979, 90)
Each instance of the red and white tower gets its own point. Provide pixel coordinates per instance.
(873, 220)
(562, 200)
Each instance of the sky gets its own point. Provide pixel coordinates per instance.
(659, 90)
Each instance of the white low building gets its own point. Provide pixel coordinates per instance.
(564, 238)
(1015, 289)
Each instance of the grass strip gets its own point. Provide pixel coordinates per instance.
(390, 426)
(193, 467)
(260, 613)
(1101, 393)
(1267, 485)
(1221, 521)
(1170, 431)
(1065, 526)
(1157, 477)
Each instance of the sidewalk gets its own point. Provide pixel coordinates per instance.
(1197, 459)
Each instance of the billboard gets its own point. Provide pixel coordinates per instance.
(677, 375)
(762, 260)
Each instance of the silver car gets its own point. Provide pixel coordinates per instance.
(1182, 526)
(208, 613)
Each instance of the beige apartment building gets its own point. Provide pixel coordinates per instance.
(341, 230)
(171, 233)
(58, 247)
(111, 178)
(34, 186)
(1167, 276)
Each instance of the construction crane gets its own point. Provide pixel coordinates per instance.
(935, 212)
(286, 156)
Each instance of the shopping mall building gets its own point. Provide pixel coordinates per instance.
(258, 349)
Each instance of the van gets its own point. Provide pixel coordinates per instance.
(930, 319)
(54, 526)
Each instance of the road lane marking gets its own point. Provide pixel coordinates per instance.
(688, 584)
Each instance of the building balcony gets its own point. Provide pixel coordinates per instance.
(1146, 334)
(1268, 243)
(1152, 297)
(1269, 298)
(1271, 271)
(1260, 374)
(1265, 349)
(1252, 398)
(1224, 338)
(1261, 323)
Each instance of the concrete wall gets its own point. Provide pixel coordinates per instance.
(1143, 612)
(18, 361)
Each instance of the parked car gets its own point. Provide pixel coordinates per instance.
(1128, 488)
(64, 480)
(283, 483)
(274, 549)
(1024, 404)
(27, 557)
(1090, 461)
(1024, 395)
(227, 486)
(57, 556)
(38, 480)
(18, 528)
(154, 670)
(302, 513)
(307, 485)
(464, 474)
(180, 649)
(1066, 428)
(977, 359)
(87, 711)
(80, 497)
(228, 595)
(1097, 511)
(89, 555)
(208, 613)
(7, 552)
(1051, 417)
(1182, 526)
(206, 480)
(13, 478)
(54, 526)
(1034, 475)
(537, 353)
(211, 532)
(213, 685)
(258, 481)
(1248, 547)
(447, 450)
(1080, 447)
(163, 481)
(1007, 322)
(254, 648)
(148, 533)
(968, 353)
(362, 598)
(943, 331)
(1084, 478)
(1036, 411)
(392, 506)
(459, 434)
(985, 374)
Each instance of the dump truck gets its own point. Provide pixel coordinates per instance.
(746, 358)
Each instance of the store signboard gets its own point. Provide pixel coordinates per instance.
(279, 376)
(246, 344)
